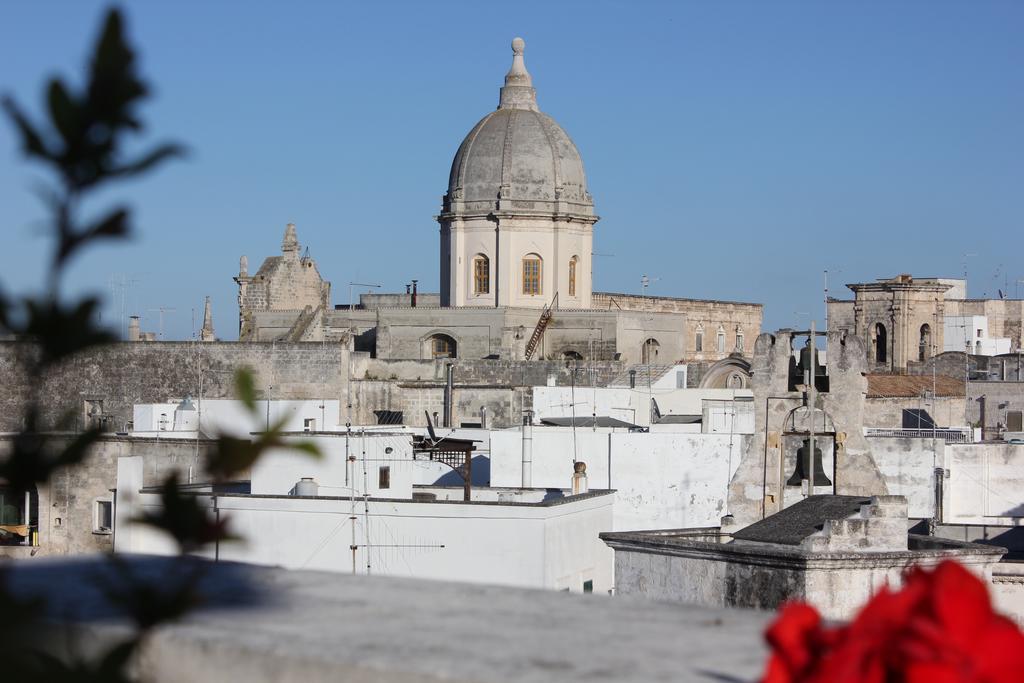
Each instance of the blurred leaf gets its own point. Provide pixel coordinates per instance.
(61, 332)
(245, 387)
(306, 447)
(63, 113)
(153, 600)
(34, 456)
(31, 141)
(114, 225)
(182, 517)
(231, 456)
(148, 161)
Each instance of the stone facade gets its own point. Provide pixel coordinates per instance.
(712, 330)
(902, 319)
(286, 283)
(66, 505)
(781, 417)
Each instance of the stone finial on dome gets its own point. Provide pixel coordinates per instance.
(290, 244)
(518, 92)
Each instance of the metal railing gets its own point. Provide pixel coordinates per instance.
(947, 434)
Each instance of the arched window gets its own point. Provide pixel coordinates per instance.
(881, 343)
(572, 276)
(698, 340)
(649, 352)
(571, 355)
(442, 346)
(925, 345)
(481, 275)
(721, 340)
(531, 274)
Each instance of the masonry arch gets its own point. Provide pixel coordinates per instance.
(924, 349)
(880, 345)
(729, 373)
(649, 351)
(439, 345)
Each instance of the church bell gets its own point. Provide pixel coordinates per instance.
(803, 466)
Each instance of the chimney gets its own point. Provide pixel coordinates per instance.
(579, 478)
(527, 449)
(449, 386)
(413, 301)
(133, 329)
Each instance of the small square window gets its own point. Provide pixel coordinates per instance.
(384, 478)
(103, 517)
(309, 424)
(588, 586)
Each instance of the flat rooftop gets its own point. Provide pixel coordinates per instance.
(261, 624)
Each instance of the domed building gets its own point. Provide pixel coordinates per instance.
(516, 278)
(517, 221)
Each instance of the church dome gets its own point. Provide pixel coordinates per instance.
(519, 154)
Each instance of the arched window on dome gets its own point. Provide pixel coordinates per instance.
(572, 275)
(481, 275)
(531, 274)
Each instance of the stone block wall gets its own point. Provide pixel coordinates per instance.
(117, 376)
(66, 503)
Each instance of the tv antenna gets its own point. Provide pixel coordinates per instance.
(162, 310)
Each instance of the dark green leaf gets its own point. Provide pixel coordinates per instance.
(31, 140)
(245, 387)
(148, 161)
(61, 332)
(182, 517)
(231, 457)
(63, 113)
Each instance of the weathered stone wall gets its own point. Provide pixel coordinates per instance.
(66, 503)
(733, 318)
(758, 488)
(117, 376)
(947, 411)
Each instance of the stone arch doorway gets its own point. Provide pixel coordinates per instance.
(881, 345)
(649, 351)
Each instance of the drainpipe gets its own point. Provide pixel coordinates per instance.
(448, 386)
(527, 449)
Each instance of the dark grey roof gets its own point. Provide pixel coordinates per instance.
(673, 419)
(602, 421)
(797, 522)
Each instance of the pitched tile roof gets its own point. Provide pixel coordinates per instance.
(912, 386)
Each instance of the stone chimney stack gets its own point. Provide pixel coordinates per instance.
(134, 333)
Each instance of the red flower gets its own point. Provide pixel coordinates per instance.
(939, 628)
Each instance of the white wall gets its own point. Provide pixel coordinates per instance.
(663, 480)
(623, 403)
(540, 546)
(959, 329)
(278, 470)
(985, 484)
(228, 416)
(908, 467)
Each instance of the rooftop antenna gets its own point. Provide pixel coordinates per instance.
(826, 296)
(357, 284)
(163, 310)
(966, 256)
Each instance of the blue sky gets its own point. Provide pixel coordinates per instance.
(735, 150)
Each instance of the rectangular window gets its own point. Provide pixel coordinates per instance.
(739, 341)
(481, 276)
(572, 277)
(588, 586)
(531, 276)
(721, 342)
(699, 342)
(309, 424)
(1014, 421)
(103, 517)
(384, 477)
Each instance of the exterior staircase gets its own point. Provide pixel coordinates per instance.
(538, 331)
